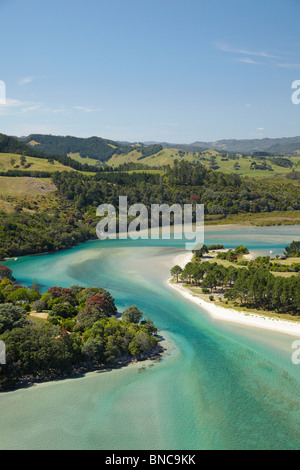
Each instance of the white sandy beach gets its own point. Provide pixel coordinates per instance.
(231, 315)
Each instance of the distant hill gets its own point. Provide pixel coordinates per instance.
(10, 144)
(93, 147)
(101, 149)
(16, 146)
(283, 146)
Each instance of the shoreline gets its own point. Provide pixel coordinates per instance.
(209, 225)
(229, 314)
(163, 351)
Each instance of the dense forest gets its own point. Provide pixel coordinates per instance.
(92, 147)
(82, 331)
(15, 146)
(23, 233)
(293, 250)
(57, 149)
(182, 184)
(74, 219)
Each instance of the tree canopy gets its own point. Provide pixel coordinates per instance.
(82, 331)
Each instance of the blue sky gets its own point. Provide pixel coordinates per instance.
(141, 70)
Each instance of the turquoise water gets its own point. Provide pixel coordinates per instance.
(221, 386)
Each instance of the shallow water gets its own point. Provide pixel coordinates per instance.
(220, 387)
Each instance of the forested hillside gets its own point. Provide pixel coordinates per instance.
(54, 220)
(92, 147)
(12, 145)
(95, 154)
(183, 183)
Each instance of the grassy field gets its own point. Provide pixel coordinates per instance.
(9, 161)
(84, 161)
(211, 257)
(168, 156)
(260, 219)
(36, 164)
(25, 186)
(162, 158)
(227, 264)
(32, 194)
(227, 166)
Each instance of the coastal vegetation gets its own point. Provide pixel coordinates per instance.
(24, 232)
(48, 202)
(293, 250)
(249, 284)
(65, 331)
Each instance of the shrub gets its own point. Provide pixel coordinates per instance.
(11, 316)
(63, 310)
(38, 306)
(6, 273)
(132, 314)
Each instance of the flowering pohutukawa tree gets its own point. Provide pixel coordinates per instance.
(6, 273)
(100, 303)
(66, 295)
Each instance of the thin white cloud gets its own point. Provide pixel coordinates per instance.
(289, 65)
(32, 108)
(87, 109)
(12, 103)
(29, 79)
(247, 61)
(14, 107)
(223, 47)
(9, 105)
(56, 110)
(17, 107)
(25, 80)
(226, 48)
